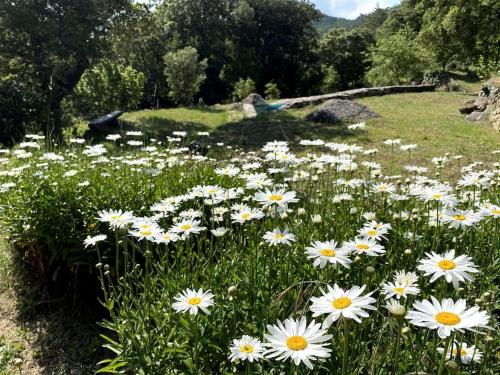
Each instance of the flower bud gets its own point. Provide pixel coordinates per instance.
(106, 267)
(370, 270)
(98, 265)
(408, 252)
(452, 367)
(232, 291)
(405, 330)
(353, 210)
(316, 219)
(301, 211)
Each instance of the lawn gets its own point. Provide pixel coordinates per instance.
(430, 120)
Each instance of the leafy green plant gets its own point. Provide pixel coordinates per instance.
(108, 87)
(272, 91)
(243, 88)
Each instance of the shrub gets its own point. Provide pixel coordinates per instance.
(108, 87)
(185, 74)
(272, 91)
(243, 88)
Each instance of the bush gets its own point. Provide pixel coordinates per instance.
(272, 91)
(108, 87)
(243, 88)
(331, 79)
(53, 208)
(185, 74)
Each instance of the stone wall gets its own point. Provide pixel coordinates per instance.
(352, 94)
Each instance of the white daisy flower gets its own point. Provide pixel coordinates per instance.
(454, 270)
(279, 197)
(116, 219)
(447, 316)
(327, 252)
(364, 246)
(398, 290)
(278, 237)
(337, 302)
(91, 241)
(461, 219)
(219, 232)
(297, 341)
(467, 353)
(186, 227)
(192, 301)
(246, 348)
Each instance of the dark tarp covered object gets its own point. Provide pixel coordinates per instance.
(107, 123)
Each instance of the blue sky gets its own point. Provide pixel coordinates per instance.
(351, 8)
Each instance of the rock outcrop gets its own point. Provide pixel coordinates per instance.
(485, 107)
(337, 110)
(255, 100)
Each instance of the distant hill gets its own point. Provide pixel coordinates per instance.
(371, 21)
(327, 23)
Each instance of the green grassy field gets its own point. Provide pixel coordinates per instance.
(430, 120)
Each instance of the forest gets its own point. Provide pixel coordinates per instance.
(62, 60)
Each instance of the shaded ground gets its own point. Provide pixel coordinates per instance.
(38, 339)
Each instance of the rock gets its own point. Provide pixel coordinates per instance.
(477, 116)
(249, 110)
(436, 78)
(494, 111)
(255, 99)
(481, 103)
(469, 108)
(236, 106)
(337, 110)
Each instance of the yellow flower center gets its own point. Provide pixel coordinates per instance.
(195, 301)
(146, 232)
(296, 343)
(496, 211)
(275, 197)
(462, 352)
(116, 217)
(447, 318)
(328, 252)
(362, 246)
(371, 232)
(399, 290)
(246, 348)
(446, 264)
(278, 236)
(186, 226)
(459, 217)
(245, 216)
(341, 303)
(436, 196)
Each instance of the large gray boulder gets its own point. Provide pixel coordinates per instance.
(255, 99)
(337, 110)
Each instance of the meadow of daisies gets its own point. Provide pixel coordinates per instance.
(315, 261)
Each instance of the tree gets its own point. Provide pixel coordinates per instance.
(185, 74)
(243, 88)
(203, 25)
(56, 41)
(140, 41)
(106, 87)
(397, 59)
(274, 40)
(346, 51)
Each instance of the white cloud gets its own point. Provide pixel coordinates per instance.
(351, 8)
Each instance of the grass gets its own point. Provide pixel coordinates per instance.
(430, 120)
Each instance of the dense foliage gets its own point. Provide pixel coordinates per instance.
(264, 235)
(107, 87)
(46, 47)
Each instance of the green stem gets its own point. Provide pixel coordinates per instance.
(445, 354)
(396, 355)
(345, 356)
